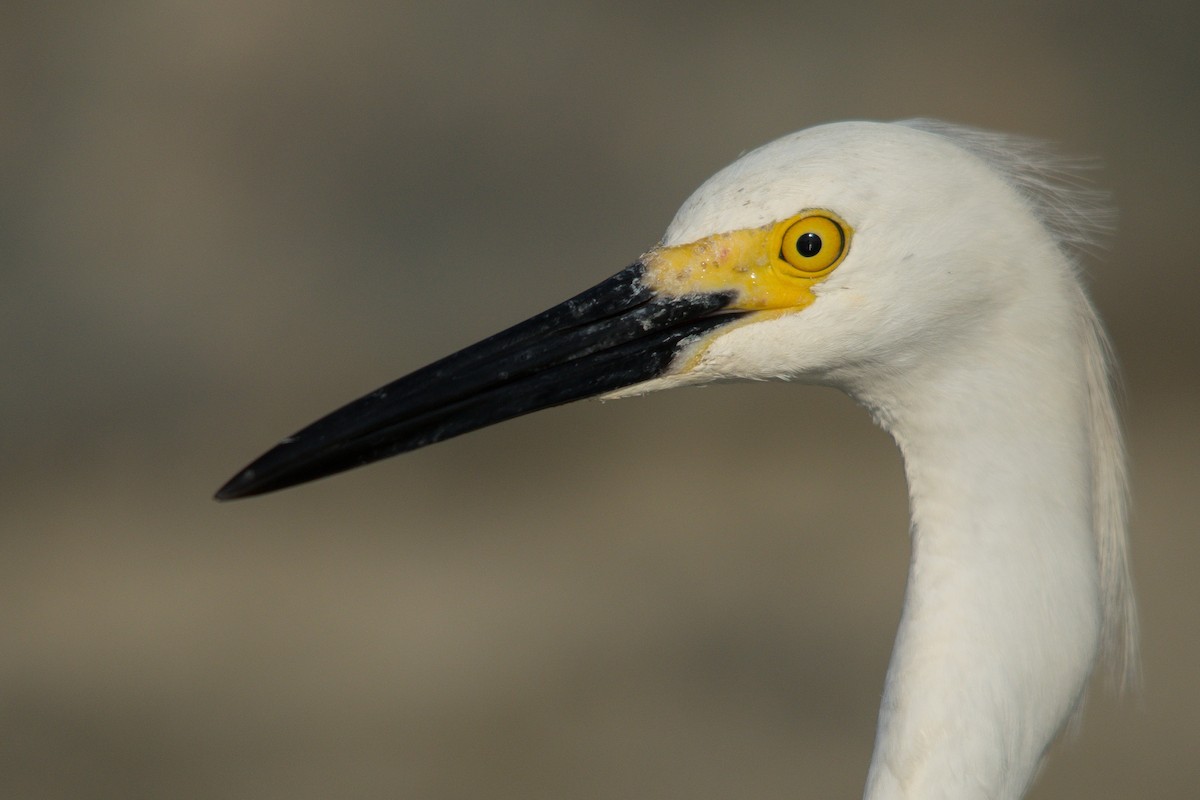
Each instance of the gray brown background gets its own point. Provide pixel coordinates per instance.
(219, 220)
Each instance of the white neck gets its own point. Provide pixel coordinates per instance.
(1003, 610)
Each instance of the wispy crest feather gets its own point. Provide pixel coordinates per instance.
(1080, 215)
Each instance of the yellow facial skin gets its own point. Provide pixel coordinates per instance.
(770, 268)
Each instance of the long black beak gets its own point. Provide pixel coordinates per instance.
(613, 335)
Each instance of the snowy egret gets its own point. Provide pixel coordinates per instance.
(927, 271)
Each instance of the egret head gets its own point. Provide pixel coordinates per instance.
(849, 248)
(841, 251)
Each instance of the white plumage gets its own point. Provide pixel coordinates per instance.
(959, 321)
(955, 314)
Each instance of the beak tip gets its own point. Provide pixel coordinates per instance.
(283, 466)
(253, 480)
(236, 487)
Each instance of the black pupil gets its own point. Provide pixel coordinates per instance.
(808, 245)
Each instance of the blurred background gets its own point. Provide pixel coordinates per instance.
(220, 220)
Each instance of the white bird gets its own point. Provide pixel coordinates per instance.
(927, 271)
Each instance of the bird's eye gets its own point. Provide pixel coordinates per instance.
(813, 244)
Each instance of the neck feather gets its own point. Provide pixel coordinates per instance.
(1018, 571)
